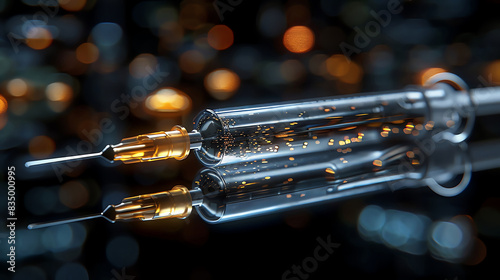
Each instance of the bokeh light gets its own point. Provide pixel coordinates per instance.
(492, 72)
(38, 38)
(272, 22)
(400, 230)
(143, 65)
(41, 146)
(171, 36)
(192, 61)
(3, 105)
(220, 37)
(298, 39)
(168, 100)
(347, 71)
(293, 71)
(222, 83)
(107, 34)
(74, 271)
(57, 239)
(452, 241)
(87, 53)
(193, 15)
(59, 92)
(337, 65)
(73, 194)
(427, 73)
(72, 5)
(17, 87)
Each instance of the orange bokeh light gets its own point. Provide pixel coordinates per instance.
(298, 39)
(492, 73)
(17, 87)
(345, 70)
(192, 61)
(41, 146)
(38, 38)
(222, 83)
(87, 53)
(168, 100)
(59, 92)
(192, 15)
(427, 73)
(73, 194)
(337, 65)
(220, 37)
(143, 65)
(3, 105)
(72, 5)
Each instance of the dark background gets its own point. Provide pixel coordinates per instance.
(462, 37)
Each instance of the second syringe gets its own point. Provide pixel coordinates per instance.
(239, 134)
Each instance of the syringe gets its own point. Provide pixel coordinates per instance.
(234, 192)
(444, 108)
(176, 203)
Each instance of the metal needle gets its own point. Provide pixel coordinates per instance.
(109, 214)
(106, 153)
(61, 159)
(64, 221)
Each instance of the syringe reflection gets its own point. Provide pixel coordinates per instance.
(233, 192)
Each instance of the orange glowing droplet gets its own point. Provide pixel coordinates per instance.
(298, 39)
(220, 37)
(87, 53)
(427, 73)
(222, 83)
(377, 162)
(38, 38)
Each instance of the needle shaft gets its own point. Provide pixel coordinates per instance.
(63, 221)
(62, 159)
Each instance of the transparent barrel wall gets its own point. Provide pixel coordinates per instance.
(287, 129)
(231, 189)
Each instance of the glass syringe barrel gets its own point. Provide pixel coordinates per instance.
(235, 193)
(253, 188)
(246, 133)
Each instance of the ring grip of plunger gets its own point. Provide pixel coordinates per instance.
(462, 185)
(468, 114)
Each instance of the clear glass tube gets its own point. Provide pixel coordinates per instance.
(250, 189)
(252, 132)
